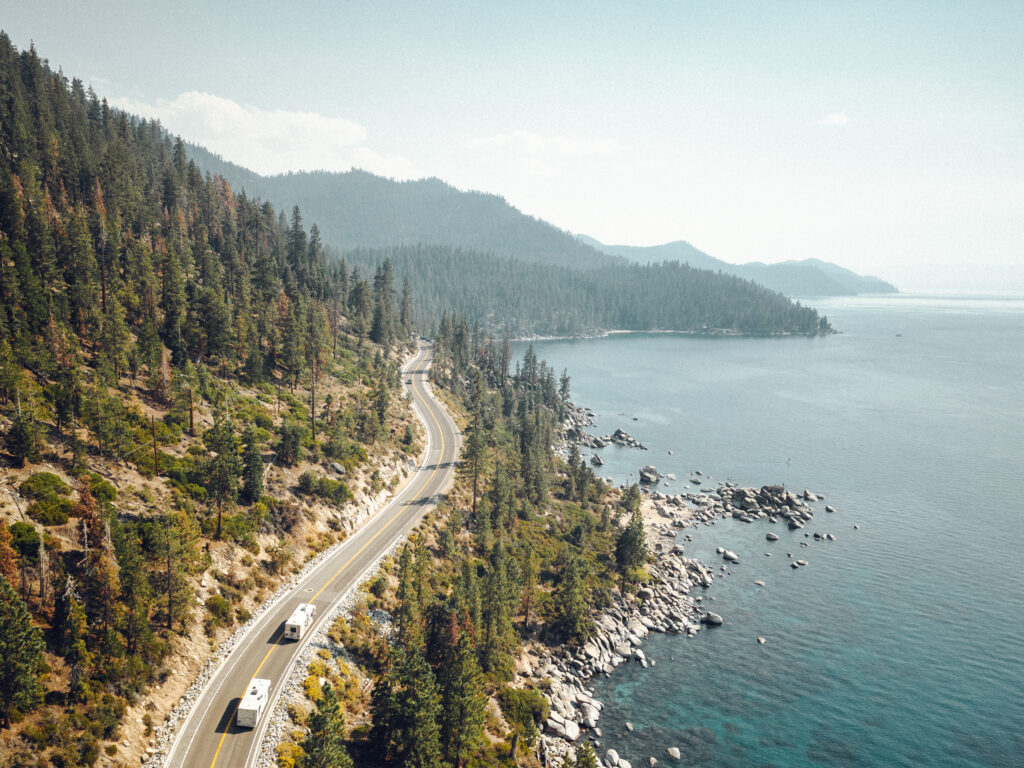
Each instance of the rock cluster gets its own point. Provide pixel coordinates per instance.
(664, 605)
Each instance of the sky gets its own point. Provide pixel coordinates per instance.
(887, 137)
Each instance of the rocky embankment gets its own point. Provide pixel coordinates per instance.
(664, 605)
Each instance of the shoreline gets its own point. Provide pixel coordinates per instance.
(664, 605)
(710, 333)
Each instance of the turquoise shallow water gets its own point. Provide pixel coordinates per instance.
(901, 643)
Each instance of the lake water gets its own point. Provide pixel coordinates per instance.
(901, 643)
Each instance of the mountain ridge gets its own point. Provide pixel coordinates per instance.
(806, 277)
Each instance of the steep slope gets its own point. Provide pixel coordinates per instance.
(192, 402)
(809, 277)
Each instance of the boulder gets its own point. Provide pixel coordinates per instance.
(771, 536)
(673, 752)
(611, 757)
(649, 475)
(712, 618)
(572, 730)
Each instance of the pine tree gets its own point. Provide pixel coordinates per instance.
(324, 745)
(177, 549)
(531, 571)
(22, 440)
(223, 468)
(419, 713)
(572, 609)
(21, 655)
(406, 710)
(631, 547)
(405, 309)
(78, 655)
(585, 757)
(136, 591)
(252, 466)
(463, 701)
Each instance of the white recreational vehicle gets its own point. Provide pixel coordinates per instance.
(253, 703)
(299, 622)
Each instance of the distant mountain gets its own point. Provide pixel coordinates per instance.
(359, 210)
(809, 277)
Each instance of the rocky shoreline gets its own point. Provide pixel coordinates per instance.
(664, 605)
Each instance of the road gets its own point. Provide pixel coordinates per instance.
(209, 736)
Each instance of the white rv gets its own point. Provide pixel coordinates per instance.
(253, 703)
(299, 622)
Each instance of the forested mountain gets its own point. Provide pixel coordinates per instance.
(477, 255)
(809, 277)
(173, 355)
(359, 210)
(540, 299)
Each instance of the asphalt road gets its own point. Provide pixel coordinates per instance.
(209, 736)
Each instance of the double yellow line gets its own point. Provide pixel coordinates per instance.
(337, 573)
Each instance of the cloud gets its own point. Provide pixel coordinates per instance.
(268, 141)
(834, 120)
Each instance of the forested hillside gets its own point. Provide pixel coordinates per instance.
(190, 396)
(477, 255)
(544, 299)
(359, 210)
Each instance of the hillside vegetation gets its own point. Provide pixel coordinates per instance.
(192, 402)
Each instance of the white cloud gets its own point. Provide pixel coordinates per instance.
(269, 141)
(834, 120)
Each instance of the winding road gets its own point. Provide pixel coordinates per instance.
(209, 735)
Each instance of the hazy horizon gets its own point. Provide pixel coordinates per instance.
(884, 138)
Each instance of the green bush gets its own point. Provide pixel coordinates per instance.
(524, 708)
(102, 490)
(308, 481)
(54, 512)
(335, 490)
(43, 484)
(105, 716)
(220, 611)
(26, 542)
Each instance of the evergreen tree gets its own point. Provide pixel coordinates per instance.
(223, 468)
(531, 571)
(463, 701)
(252, 466)
(77, 654)
(21, 655)
(585, 757)
(324, 745)
(631, 547)
(571, 606)
(178, 551)
(22, 440)
(406, 710)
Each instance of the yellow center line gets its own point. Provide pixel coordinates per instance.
(273, 640)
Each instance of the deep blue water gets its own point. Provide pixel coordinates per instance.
(902, 643)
